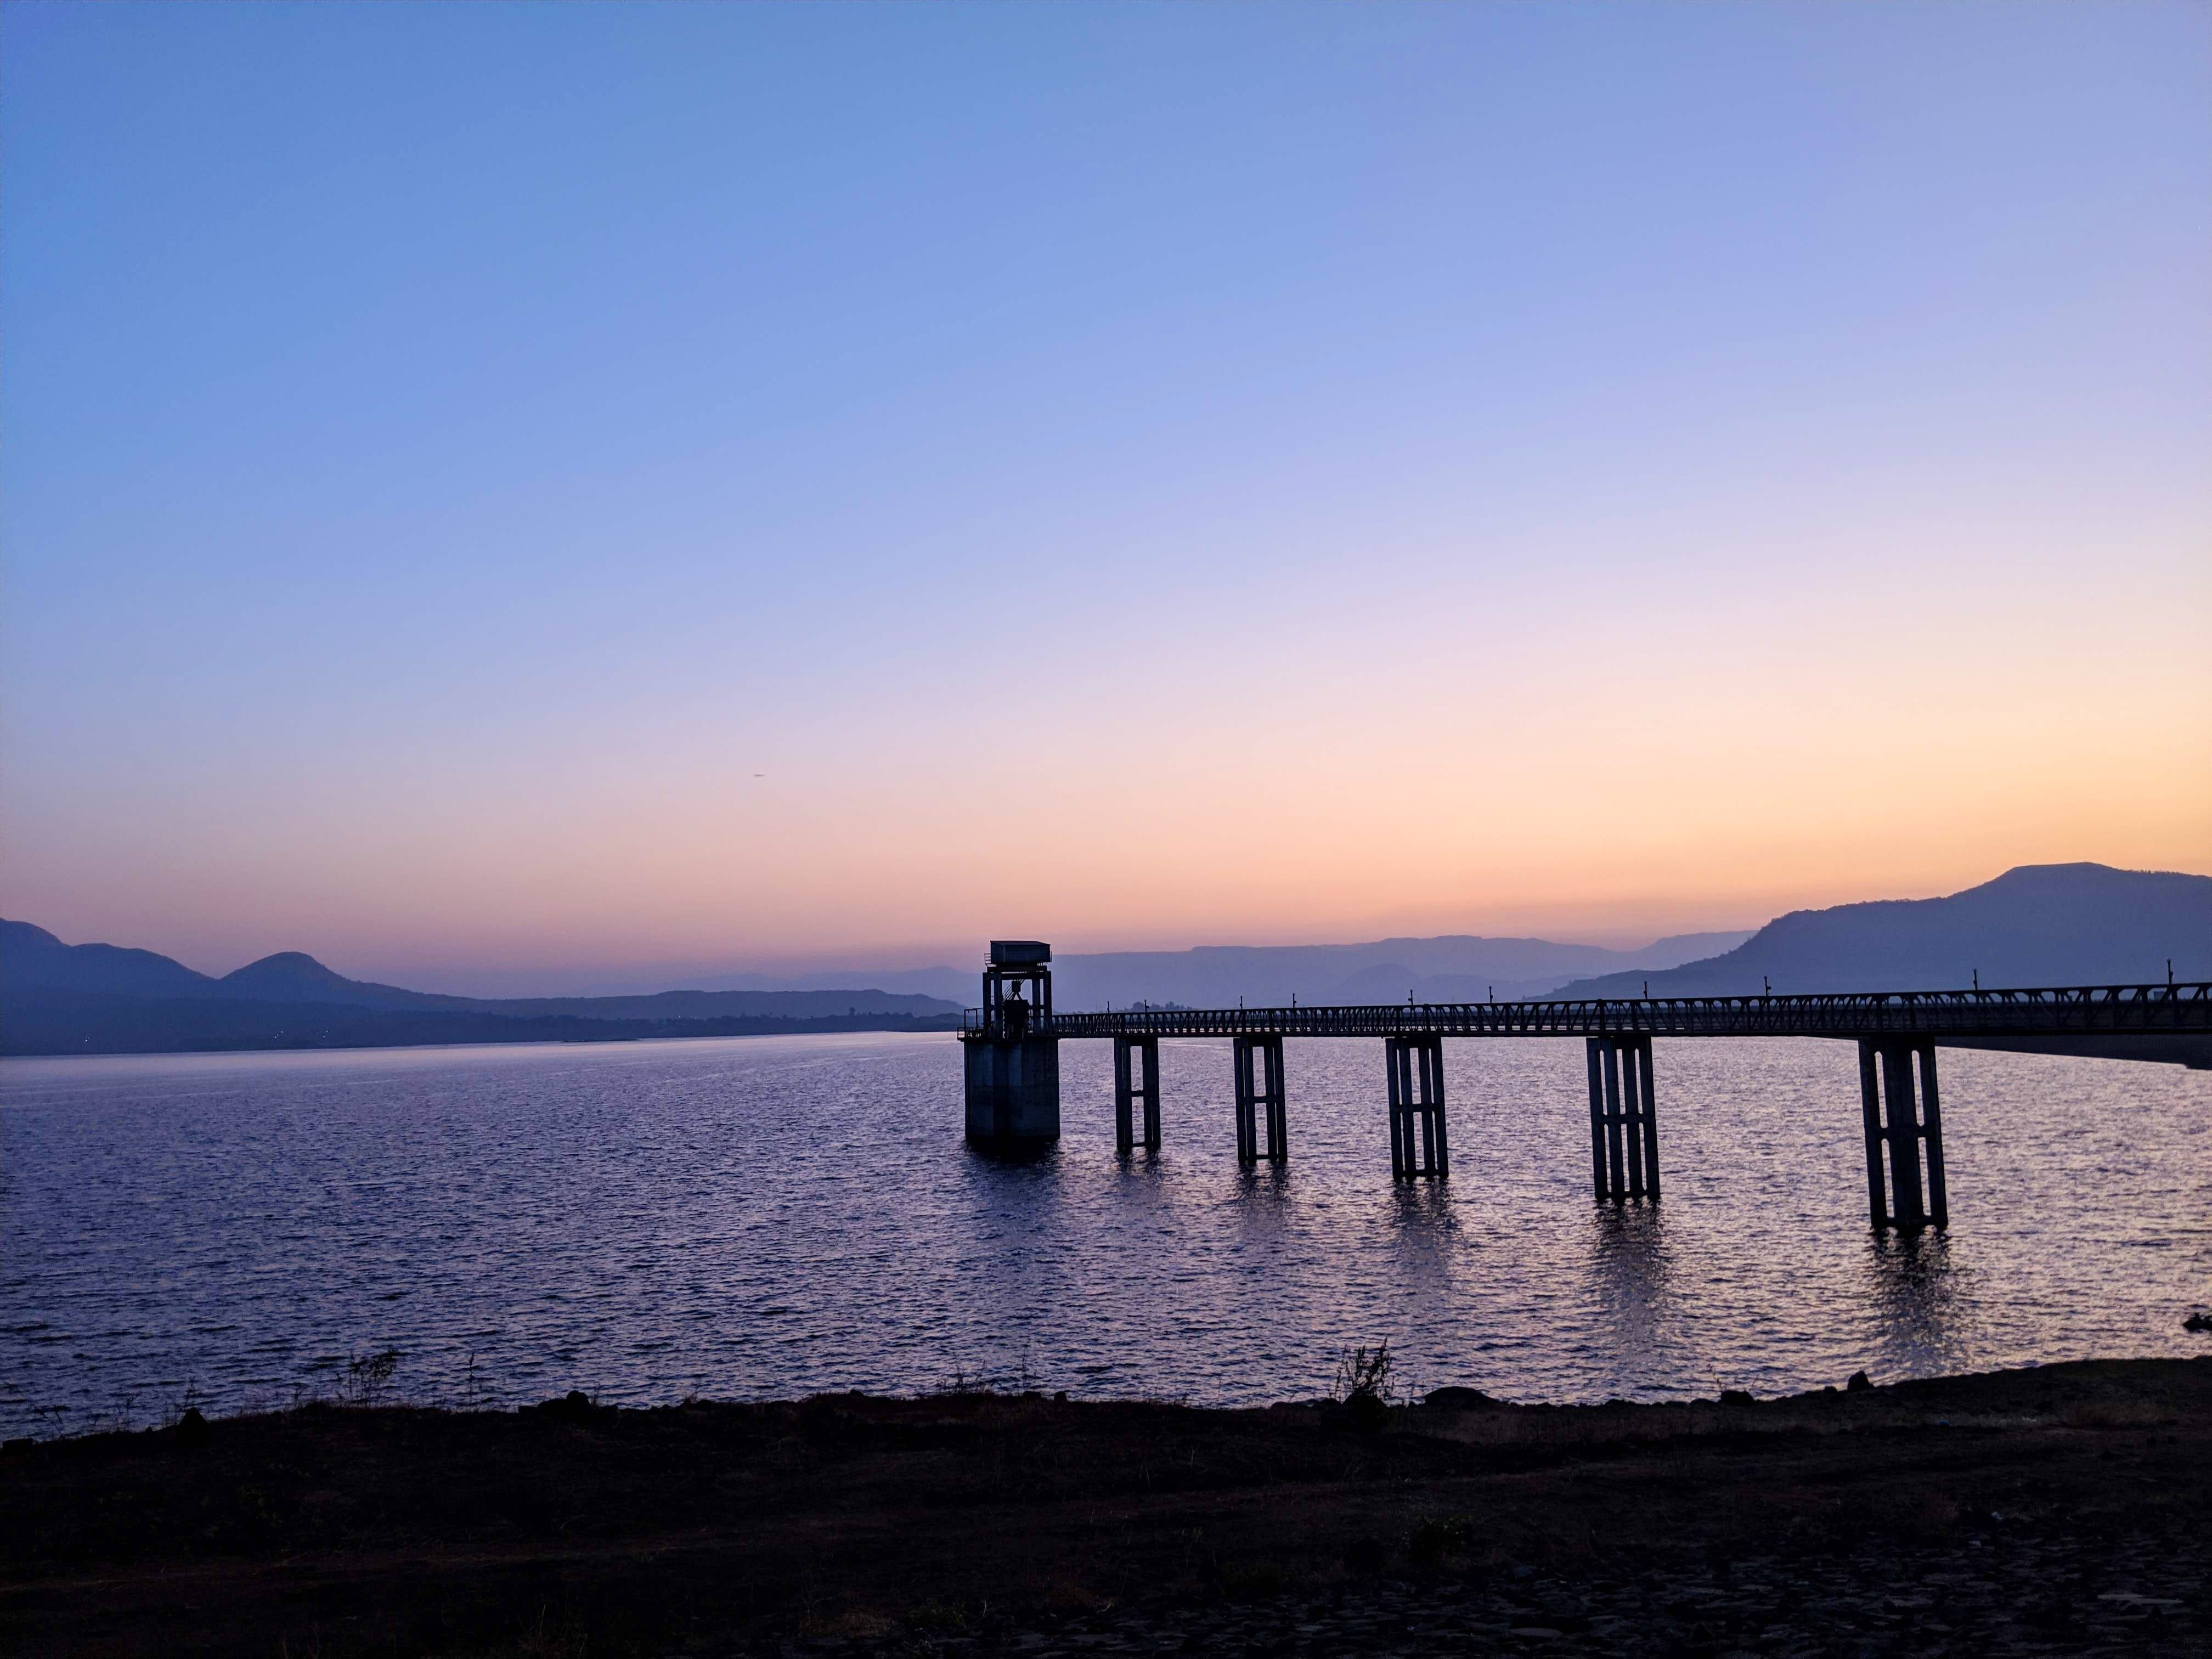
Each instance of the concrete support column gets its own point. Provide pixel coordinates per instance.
(1931, 1133)
(1600, 1182)
(1136, 1077)
(1013, 1090)
(1616, 1161)
(1903, 1134)
(1900, 1120)
(1644, 1124)
(1258, 1063)
(1413, 1072)
(1624, 1118)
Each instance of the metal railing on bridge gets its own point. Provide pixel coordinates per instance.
(2050, 1011)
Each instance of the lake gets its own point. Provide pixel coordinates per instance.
(774, 1216)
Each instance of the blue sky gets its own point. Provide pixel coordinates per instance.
(492, 493)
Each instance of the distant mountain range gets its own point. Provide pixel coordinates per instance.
(954, 985)
(2038, 924)
(104, 998)
(2068, 924)
(1455, 968)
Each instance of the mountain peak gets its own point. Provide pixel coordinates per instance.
(292, 967)
(2069, 875)
(296, 976)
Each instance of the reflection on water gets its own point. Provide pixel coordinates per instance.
(774, 1216)
(1421, 1206)
(1629, 1267)
(1915, 1295)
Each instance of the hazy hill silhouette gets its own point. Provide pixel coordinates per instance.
(97, 999)
(31, 956)
(2068, 924)
(296, 976)
(1449, 968)
(2040, 924)
(38, 1020)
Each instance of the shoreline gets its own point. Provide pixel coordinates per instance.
(500, 1045)
(981, 1523)
(505, 1031)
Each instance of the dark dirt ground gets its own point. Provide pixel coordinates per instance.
(2065, 1510)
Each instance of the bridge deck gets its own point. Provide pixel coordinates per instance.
(2051, 1012)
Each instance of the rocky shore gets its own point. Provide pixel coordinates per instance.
(2063, 1510)
(1999, 1596)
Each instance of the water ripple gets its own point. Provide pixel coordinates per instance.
(771, 1215)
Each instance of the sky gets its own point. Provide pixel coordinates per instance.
(502, 498)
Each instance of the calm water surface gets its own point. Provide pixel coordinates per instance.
(772, 1216)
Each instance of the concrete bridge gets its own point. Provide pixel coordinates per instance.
(1011, 1047)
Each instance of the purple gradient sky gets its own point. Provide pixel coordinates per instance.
(501, 497)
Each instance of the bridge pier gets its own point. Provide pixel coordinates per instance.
(1415, 1067)
(1624, 1128)
(1133, 1056)
(1896, 1121)
(1260, 1086)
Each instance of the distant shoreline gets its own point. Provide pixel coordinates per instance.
(55, 1024)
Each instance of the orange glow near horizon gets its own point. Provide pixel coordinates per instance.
(1568, 817)
(718, 498)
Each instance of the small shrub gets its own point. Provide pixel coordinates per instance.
(573, 1406)
(368, 1377)
(1361, 1372)
(1363, 1386)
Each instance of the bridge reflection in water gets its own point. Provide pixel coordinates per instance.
(1011, 1047)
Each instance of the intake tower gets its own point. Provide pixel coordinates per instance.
(1012, 1057)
